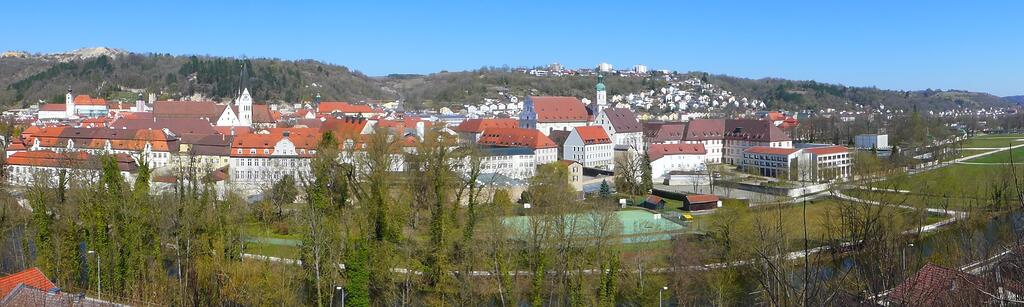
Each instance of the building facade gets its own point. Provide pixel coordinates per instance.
(590, 146)
(549, 113)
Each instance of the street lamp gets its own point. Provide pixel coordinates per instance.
(99, 289)
(342, 294)
(659, 294)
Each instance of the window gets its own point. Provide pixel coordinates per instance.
(252, 151)
(239, 151)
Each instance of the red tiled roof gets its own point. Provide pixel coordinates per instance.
(53, 107)
(85, 100)
(124, 139)
(232, 130)
(756, 130)
(343, 128)
(830, 150)
(559, 109)
(934, 284)
(593, 135)
(662, 132)
(480, 124)
(343, 107)
(701, 198)
(516, 137)
(657, 151)
(188, 109)
(765, 150)
(653, 199)
(76, 159)
(704, 129)
(303, 138)
(32, 277)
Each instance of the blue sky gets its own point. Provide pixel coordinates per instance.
(970, 45)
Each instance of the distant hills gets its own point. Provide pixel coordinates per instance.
(118, 75)
(1019, 99)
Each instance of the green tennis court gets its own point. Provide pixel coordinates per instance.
(636, 225)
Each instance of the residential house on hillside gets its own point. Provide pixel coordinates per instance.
(590, 146)
(549, 113)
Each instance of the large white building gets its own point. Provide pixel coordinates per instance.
(590, 146)
(74, 107)
(545, 150)
(872, 141)
(816, 164)
(513, 162)
(549, 113)
(259, 160)
(666, 158)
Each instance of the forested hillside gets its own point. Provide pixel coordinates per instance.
(26, 79)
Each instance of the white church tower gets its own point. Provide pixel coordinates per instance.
(69, 105)
(601, 100)
(244, 104)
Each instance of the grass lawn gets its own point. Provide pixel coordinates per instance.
(993, 141)
(1002, 157)
(821, 216)
(257, 229)
(959, 179)
(951, 202)
(272, 250)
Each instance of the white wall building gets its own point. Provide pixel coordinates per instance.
(666, 158)
(589, 146)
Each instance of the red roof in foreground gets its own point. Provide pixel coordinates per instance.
(937, 286)
(516, 137)
(765, 150)
(478, 125)
(701, 198)
(32, 277)
(830, 150)
(593, 135)
(657, 151)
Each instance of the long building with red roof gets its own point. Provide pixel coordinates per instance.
(470, 130)
(549, 113)
(155, 146)
(26, 166)
(543, 147)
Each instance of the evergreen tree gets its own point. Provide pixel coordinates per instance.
(606, 191)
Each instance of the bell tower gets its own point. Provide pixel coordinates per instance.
(69, 104)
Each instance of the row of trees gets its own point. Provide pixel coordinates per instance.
(438, 234)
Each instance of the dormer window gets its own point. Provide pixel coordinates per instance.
(252, 151)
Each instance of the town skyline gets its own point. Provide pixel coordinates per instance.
(889, 46)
